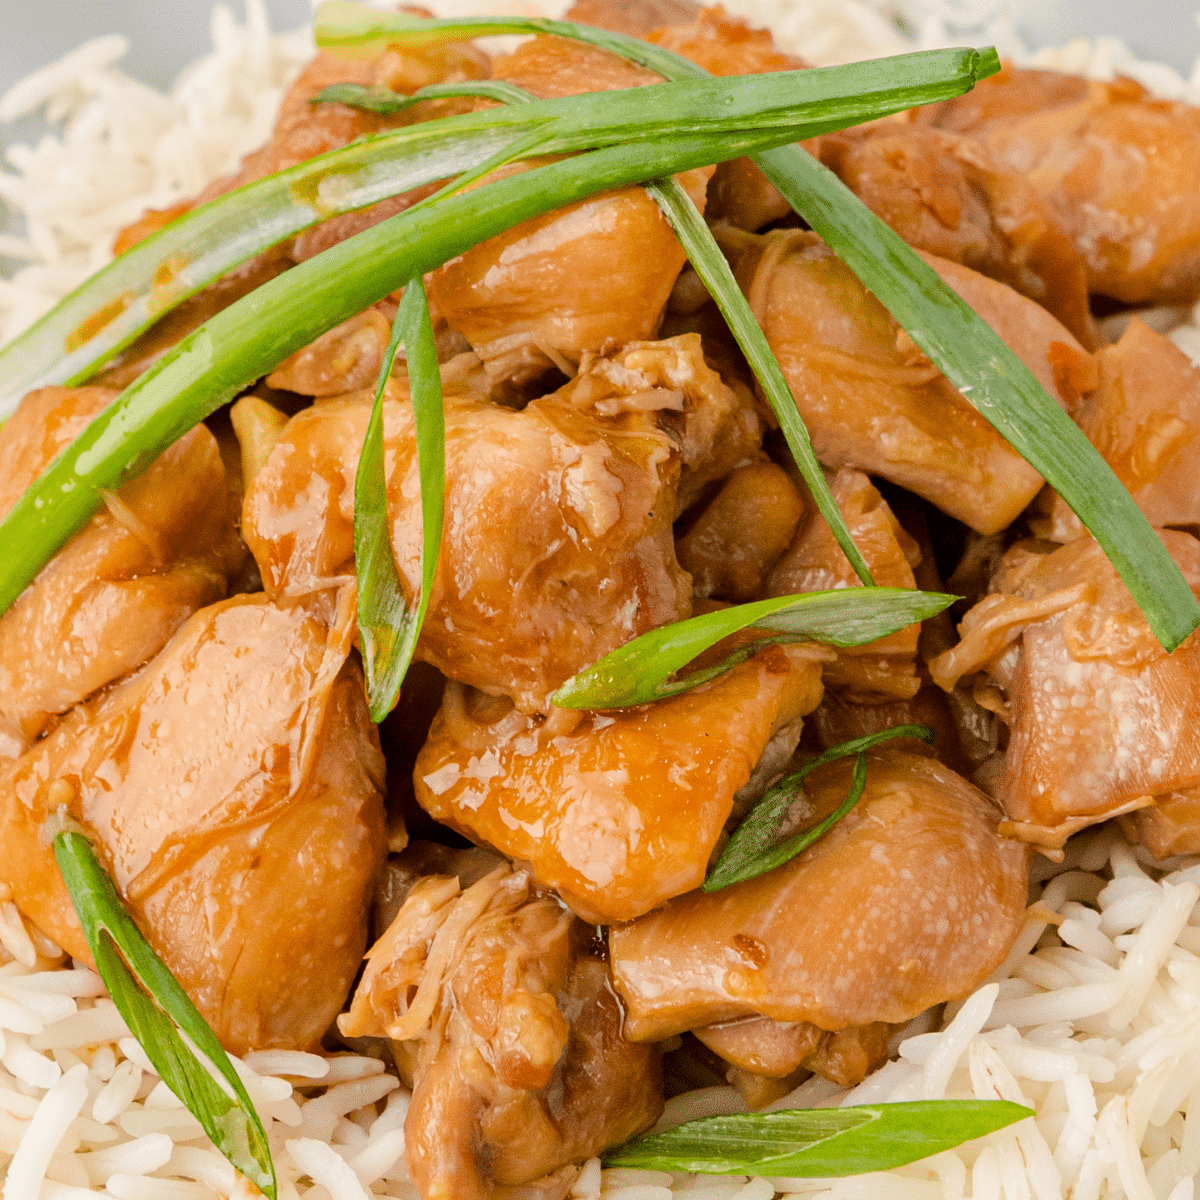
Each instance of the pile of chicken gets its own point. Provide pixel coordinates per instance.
(183, 677)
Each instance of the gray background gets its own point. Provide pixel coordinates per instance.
(165, 35)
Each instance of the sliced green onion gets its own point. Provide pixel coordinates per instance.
(958, 342)
(706, 257)
(818, 1142)
(176, 1038)
(112, 308)
(249, 338)
(752, 851)
(387, 624)
(384, 101)
(637, 672)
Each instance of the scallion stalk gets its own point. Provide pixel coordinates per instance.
(387, 623)
(638, 672)
(753, 848)
(709, 263)
(168, 1026)
(818, 1142)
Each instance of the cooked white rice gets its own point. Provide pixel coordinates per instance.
(1094, 1019)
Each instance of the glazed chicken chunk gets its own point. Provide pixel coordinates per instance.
(1099, 714)
(233, 789)
(1144, 418)
(504, 1019)
(1120, 171)
(163, 546)
(911, 899)
(872, 400)
(543, 293)
(618, 810)
(595, 471)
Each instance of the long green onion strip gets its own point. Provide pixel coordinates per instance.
(385, 102)
(706, 257)
(754, 848)
(959, 342)
(252, 336)
(388, 625)
(818, 1142)
(638, 672)
(112, 308)
(177, 1039)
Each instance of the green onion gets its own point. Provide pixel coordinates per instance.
(818, 1142)
(387, 625)
(248, 339)
(752, 850)
(958, 342)
(177, 1039)
(108, 311)
(384, 101)
(636, 673)
(706, 257)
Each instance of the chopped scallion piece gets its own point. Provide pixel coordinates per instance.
(384, 101)
(752, 851)
(176, 1038)
(637, 673)
(818, 1142)
(387, 624)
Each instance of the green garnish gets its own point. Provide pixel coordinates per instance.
(108, 311)
(637, 672)
(710, 264)
(958, 342)
(252, 336)
(384, 101)
(387, 625)
(752, 851)
(818, 1142)
(162, 1017)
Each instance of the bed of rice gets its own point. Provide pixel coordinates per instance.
(1094, 1019)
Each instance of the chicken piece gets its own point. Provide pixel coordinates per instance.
(1099, 714)
(784, 1051)
(298, 514)
(593, 471)
(942, 193)
(343, 360)
(1120, 170)
(872, 400)
(165, 545)
(1144, 418)
(546, 291)
(511, 1030)
(1170, 826)
(633, 17)
(233, 791)
(911, 899)
(616, 810)
(880, 670)
(741, 533)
